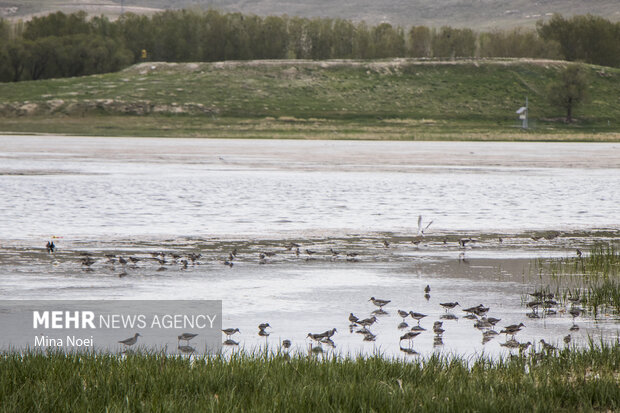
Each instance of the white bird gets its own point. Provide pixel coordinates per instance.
(420, 229)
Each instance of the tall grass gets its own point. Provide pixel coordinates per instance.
(593, 277)
(574, 380)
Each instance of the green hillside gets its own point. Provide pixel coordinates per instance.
(394, 99)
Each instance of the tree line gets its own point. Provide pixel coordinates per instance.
(61, 45)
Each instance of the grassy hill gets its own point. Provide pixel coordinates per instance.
(392, 99)
(462, 13)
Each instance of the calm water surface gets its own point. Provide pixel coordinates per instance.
(134, 196)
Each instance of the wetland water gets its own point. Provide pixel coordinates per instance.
(136, 196)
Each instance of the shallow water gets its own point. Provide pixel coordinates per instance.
(135, 196)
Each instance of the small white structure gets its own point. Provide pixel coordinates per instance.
(522, 112)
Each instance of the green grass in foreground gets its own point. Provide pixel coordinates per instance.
(409, 100)
(573, 380)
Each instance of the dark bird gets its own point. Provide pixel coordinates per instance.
(50, 246)
(263, 326)
(449, 305)
(186, 337)
(379, 303)
(427, 289)
(367, 322)
(353, 319)
(403, 314)
(417, 316)
(286, 343)
(410, 335)
(230, 331)
(131, 340)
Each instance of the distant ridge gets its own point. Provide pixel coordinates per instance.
(481, 14)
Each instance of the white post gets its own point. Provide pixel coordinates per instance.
(526, 114)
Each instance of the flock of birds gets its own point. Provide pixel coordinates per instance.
(363, 326)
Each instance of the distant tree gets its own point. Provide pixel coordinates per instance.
(420, 41)
(570, 91)
(591, 39)
(388, 41)
(17, 54)
(451, 42)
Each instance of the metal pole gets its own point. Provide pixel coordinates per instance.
(526, 114)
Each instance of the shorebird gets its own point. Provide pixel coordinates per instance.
(50, 246)
(230, 331)
(574, 327)
(579, 253)
(329, 333)
(449, 305)
(417, 316)
(134, 259)
(315, 337)
(128, 342)
(88, 261)
(403, 314)
(575, 312)
(353, 319)
(547, 346)
(479, 310)
(286, 343)
(524, 346)
(463, 242)
(410, 335)
(427, 289)
(186, 337)
(367, 322)
(379, 303)
(512, 329)
(567, 339)
(291, 245)
(492, 320)
(263, 326)
(122, 260)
